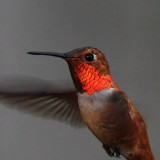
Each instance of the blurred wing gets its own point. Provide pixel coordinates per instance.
(62, 105)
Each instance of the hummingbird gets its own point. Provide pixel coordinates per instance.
(97, 102)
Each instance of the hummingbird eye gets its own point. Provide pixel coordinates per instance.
(90, 57)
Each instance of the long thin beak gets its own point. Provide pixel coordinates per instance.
(61, 55)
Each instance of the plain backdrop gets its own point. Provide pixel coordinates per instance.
(128, 32)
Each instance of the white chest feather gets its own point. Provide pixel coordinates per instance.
(96, 101)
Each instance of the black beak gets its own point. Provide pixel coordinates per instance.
(61, 55)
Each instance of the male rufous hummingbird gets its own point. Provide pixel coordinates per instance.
(97, 101)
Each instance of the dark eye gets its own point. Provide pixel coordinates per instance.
(89, 57)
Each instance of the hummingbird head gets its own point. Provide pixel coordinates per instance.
(88, 66)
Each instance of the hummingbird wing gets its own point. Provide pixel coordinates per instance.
(40, 98)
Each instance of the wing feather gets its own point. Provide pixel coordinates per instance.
(62, 106)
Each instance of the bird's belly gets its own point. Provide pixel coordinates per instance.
(106, 122)
(101, 126)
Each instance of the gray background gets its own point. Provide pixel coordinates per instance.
(129, 34)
